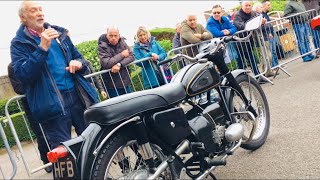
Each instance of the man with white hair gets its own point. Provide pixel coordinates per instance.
(49, 66)
(115, 54)
(192, 33)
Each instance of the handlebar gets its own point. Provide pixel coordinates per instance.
(166, 61)
(225, 39)
(176, 57)
(236, 38)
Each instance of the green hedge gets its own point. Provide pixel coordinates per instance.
(13, 108)
(89, 50)
(166, 45)
(163, 33)
(278, 5)
(20, 127)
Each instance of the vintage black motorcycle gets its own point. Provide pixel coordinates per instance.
(164, 133)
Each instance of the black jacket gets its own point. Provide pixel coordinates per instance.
(239, 21)
(111, 55)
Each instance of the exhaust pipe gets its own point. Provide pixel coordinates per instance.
(206, 173)
(182, 147)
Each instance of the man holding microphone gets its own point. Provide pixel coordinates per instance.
(50, 67)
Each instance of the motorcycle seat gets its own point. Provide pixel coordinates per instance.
(123, 107)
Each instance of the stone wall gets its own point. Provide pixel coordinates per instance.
(6, 90)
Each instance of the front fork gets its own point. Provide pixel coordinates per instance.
(218, 59)
(234, 84)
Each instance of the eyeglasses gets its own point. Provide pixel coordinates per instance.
(216, 12)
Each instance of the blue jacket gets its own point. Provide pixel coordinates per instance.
(140, 51)
(215, 27)
(30, 66)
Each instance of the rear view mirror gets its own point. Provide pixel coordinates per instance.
(253, 23)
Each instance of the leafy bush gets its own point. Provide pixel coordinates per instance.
(232, 65)
(136, 76)
(276, 5)
(13, 108)
(163, 33)
(166, 45)
(89, 50)
(21, 130)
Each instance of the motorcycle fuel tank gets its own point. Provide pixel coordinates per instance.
(197, 78)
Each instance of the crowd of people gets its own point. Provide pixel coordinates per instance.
(49, 70)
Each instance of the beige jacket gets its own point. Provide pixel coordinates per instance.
(187, 37)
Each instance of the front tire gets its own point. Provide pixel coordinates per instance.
(255, 94)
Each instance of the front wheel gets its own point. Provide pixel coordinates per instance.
(254, 93)
(120, 159)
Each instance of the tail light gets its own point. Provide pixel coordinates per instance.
(56, 153)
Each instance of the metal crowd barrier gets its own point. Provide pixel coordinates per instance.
(143, 74)
(245, 55)
(291, 40)
(264, 55)
(10, 155)
(28, 169)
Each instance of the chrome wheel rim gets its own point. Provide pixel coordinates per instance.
(253, 95)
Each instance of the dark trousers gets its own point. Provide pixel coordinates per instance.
(34, 125)
(59, 129)
(118, 91)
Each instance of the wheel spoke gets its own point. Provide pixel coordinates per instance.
(253, 95)
(127, 162)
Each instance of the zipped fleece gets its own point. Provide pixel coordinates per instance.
(215, 27)
(30, 66)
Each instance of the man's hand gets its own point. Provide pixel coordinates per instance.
(104, 94)
(264, 21)
(115, 68)
(226, 32)
(270, 36)
(197, 36)
(46, 37)
(74, 66)
(205, 34)
(154, 56)
(125, 53)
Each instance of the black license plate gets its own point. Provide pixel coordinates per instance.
(65, 168)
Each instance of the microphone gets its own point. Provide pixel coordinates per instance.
(47, 26)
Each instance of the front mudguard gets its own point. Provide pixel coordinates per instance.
(235, 74)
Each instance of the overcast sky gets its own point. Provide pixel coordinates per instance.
(87, 20)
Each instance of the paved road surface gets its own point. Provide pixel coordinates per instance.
(292, 149)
